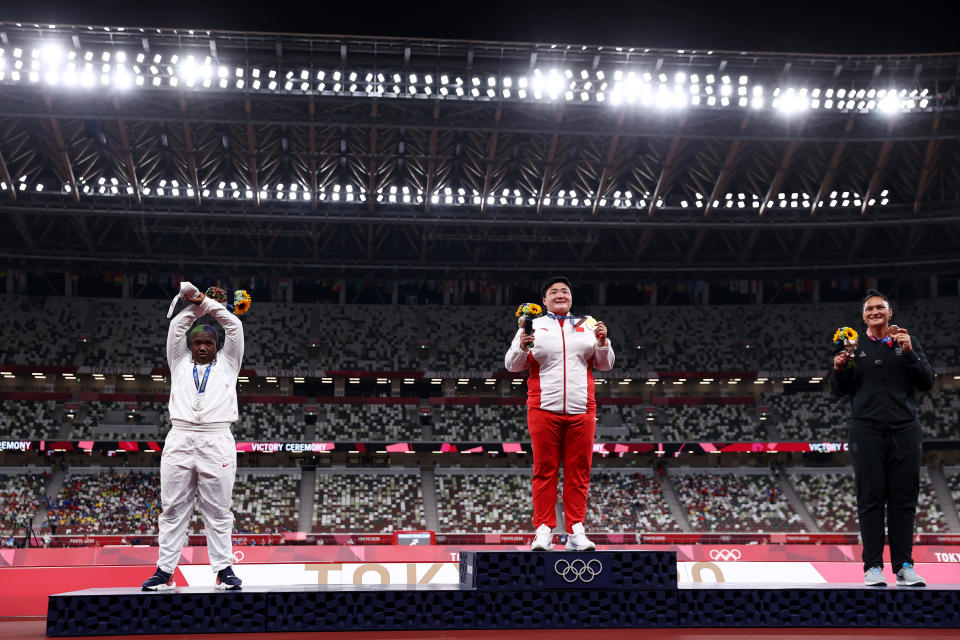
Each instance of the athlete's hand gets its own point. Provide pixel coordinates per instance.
(601, 333)
(902, 337)
(526, 340)
(195, 299)
(840, 360)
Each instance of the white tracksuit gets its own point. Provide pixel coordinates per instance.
(561, 365)
(199, 455)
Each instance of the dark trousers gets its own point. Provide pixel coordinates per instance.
(887, 470)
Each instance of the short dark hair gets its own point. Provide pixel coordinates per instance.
(873, 293)
(549, 282)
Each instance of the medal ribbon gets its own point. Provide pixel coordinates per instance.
(582, 319)
(887, 340)
(201, 387)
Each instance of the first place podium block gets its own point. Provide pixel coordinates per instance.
(563, 589)
(582, 571)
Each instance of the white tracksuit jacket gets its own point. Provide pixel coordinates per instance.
(220, 398)
(561, 365)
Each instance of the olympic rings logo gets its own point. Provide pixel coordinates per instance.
(578, 570)
(725, 555)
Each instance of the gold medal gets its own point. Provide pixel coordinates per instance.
(590, 323)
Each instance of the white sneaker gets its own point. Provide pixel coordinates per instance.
(544, 539)
(578, 541)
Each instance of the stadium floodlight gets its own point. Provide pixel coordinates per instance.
(890, 103)
(122, 79)
(52, 53)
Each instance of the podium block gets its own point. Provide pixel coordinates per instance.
(585, 571)
(508, 590)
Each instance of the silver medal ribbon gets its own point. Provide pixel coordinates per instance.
(201, 387)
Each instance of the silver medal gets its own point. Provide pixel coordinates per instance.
(198, 403)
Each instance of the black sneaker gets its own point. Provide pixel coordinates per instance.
(159, 581)
(227, 579)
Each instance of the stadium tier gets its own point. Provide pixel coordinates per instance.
(830, 498)
(23, 492)
(626, 501)
(270, 422)
(29, 420)
(484, 423)
(129, 335)
(368, 502)
(121, 501)
(807, 416)
(483, 502)
(368, 422)
(118, 501)
(744, 501)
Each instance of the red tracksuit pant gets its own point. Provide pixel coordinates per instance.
(557, 437)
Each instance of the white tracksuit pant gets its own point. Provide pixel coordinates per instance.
(201, 464)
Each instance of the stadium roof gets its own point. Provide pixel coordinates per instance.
(130, 146)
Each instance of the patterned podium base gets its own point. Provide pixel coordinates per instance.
(506, 590)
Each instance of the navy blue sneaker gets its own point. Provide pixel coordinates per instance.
(159, 581)
(227, 579)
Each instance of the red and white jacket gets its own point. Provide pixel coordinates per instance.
(561, 365)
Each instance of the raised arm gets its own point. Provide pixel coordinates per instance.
(176, 335)
(232, 329)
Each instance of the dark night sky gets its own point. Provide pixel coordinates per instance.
(816, 26)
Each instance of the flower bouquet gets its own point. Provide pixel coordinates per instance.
(845, 339)
(525, 315)
(241, 300)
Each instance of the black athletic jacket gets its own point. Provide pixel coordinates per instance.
(884, 383)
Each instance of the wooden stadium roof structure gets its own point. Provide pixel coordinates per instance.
(296, 153)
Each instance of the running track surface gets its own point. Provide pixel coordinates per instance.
(32, 628)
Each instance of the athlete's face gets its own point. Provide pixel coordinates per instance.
(558, 299)
(877, 313)
(204, 348)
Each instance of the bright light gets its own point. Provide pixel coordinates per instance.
(791, 101)
(52, 53)
(188, 70)
(890, 103)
